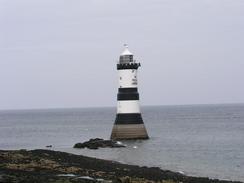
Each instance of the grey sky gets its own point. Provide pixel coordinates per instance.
(56, 53)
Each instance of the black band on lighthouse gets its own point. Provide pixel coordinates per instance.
(128, 94)
(128, 118)
(128, 90)
(128, 66)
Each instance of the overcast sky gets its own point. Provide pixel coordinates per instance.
(63, 53)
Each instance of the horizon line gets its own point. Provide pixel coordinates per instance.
(148, 105)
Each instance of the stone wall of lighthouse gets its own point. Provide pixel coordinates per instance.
(128, 123)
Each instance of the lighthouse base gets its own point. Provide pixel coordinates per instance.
(129, 132)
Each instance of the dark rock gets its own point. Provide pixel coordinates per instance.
(46, 166)
(97, 142)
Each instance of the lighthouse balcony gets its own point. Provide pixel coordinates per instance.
(128, 66)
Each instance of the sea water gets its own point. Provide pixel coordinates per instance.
(198, 140)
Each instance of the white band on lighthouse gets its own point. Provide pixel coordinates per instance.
(128, 106)
(128, 78)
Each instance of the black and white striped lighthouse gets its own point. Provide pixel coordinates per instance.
(128, 123)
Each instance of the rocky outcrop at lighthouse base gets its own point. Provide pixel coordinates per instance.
(97, 143)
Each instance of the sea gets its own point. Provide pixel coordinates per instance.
(197, 140)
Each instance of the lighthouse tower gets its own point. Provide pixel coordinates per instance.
(128, 123)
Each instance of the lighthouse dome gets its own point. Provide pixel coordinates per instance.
(126, 51)
(126, 56)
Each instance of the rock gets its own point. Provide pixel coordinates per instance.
(97, 142)
(46, 166)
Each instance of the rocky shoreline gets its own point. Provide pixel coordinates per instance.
(46, 166)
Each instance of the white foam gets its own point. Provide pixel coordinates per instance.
(86, 177)
(66, 175)
(181, 172)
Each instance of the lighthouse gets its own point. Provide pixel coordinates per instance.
(128, 123)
